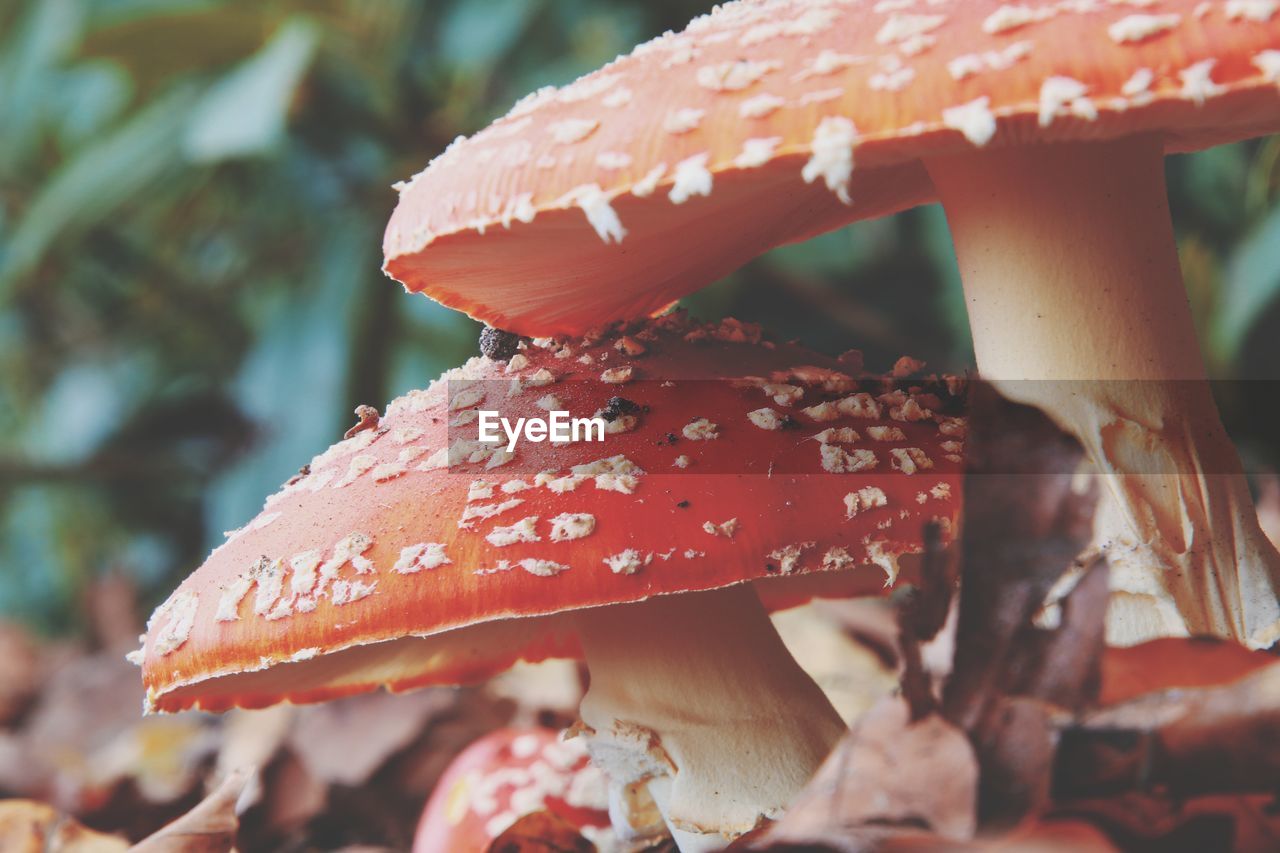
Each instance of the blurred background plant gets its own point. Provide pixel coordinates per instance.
(191, 202)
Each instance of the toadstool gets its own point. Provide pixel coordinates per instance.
(1041, 126)
(412, 553)
(506, 775)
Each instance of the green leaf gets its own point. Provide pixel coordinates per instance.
(154, 48)
(936, 236)
(96, 181)
(475, 35)
(1211, 184)
(244, 113)
(1252, 283)
(837, 253)
(43, 36)
(92, 96)
(293, 381)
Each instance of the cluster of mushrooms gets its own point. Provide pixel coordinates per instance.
(739, 475)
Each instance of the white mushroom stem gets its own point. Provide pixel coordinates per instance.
(1071, 275)
(696, 696)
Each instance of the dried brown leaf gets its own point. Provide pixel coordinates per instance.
(1175, 662)
(346, 741)
(1187, 742)
(30, 827)
(208, 828)
(1144, 823)
(890, 772)
(541, 832)
(1026, 524)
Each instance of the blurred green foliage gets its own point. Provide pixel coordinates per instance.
(192, 195)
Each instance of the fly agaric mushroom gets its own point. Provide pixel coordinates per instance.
(1041, 126)
(506, 775)
(412, 553)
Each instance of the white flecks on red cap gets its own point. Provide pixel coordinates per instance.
(841, 435)
(627, 562)
(1259, 11)
(905, 26)
(568, 526)
(420, 557)
(832, 158)
(617, 375)
(1140, 27)
(1268, 62)
(1137, 89)
(868, 497)
(724, 528)
(1197, 81)
(524, 530)
(572, 130)
(542, 568)
(968, 64)
(765, 418)
(477, 512)
(837, 460)
(909, 460)
(1012, 16)
(1064, 96)
(760, 106)
(644, 187)
(974, 119)
(683, 120)
(692, 178)
(886, 433)
(700, 429)
(600, 213)
(893, 75)
(612, 160)
(173, 622)
(789, 556)
(734, 75)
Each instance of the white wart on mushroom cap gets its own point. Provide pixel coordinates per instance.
(768, 122)
(398, 559)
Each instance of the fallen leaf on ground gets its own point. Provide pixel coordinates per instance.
(208, 828)
(887, 771)
(31, 827)
(345, 742)
(1175, 662)
(1209, 740)
(541, 832)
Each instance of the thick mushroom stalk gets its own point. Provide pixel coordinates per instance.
(1072, 280)
(696, 696)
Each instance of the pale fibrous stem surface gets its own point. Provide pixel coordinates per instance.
(696, 703)
(1077, 305)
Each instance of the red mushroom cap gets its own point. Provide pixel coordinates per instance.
(504, 776)
(384, 562)
(765, 123)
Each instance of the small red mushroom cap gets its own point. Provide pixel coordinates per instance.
(763, 123)
(504, 776)
(411, 553)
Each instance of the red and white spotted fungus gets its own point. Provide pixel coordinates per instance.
(1040, 125)
(507, 775)
(399, 559)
